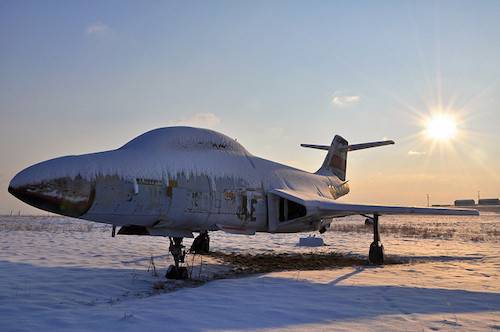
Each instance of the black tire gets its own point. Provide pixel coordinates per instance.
(376, 255)
(183, 273)
(180, 273)
(201, 244)
(206, 245)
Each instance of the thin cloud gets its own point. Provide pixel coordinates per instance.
(416, 153)
(341, 99)
(97, 28)
(206, 120)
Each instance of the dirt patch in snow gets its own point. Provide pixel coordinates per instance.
(265, 263)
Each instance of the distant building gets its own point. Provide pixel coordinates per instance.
(489, 201)
(464, 202)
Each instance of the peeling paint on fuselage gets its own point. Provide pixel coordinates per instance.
(201, 202)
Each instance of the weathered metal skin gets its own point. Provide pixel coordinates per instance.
(195, 203)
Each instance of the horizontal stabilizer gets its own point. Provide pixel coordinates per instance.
(352, 147)
(362, 146)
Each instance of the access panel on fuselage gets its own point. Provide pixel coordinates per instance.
(121, 201)
(237, 204)
(191, 200)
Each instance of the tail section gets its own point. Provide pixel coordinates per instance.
(336, 160)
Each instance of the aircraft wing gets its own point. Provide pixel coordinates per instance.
(324, 207)
(327, 207)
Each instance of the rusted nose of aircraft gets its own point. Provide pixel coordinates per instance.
(67, 196)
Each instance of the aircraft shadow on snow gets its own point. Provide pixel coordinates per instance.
(259, 302)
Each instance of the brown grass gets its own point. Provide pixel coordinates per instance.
(416, 231)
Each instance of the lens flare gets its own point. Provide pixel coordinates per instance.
(441, 127)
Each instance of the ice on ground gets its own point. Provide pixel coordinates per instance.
(65, 274)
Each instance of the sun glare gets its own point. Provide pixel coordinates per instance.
(441, 127)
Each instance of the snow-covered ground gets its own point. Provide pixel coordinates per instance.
(64, 274)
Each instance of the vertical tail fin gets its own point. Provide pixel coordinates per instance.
(336, 160)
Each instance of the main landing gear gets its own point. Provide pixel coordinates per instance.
(177, 250)
(201, 244)
(376, 254)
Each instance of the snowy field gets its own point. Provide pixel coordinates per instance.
(64, 274)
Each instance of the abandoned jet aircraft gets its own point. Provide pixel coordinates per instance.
(178, 180)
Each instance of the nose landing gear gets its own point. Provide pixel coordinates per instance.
(201, 245)
(177, 250)
(376, 254)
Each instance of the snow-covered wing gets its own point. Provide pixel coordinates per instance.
(324, 207)
(327, 207)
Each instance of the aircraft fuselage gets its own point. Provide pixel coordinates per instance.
(174, 181)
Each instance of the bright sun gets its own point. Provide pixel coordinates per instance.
(441, 127)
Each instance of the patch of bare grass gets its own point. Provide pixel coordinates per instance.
(48, 224)
(443, 231)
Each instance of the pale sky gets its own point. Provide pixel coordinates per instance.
(85, 76)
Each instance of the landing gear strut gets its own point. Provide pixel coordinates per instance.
(177, 250)
(376, 255)
(201, 244)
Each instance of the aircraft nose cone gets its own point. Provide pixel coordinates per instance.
(15, 192)
(12, 190)
(61, 194)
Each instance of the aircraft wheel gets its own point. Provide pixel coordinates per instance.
(178, 273)
(376, 255)
(201, 244)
